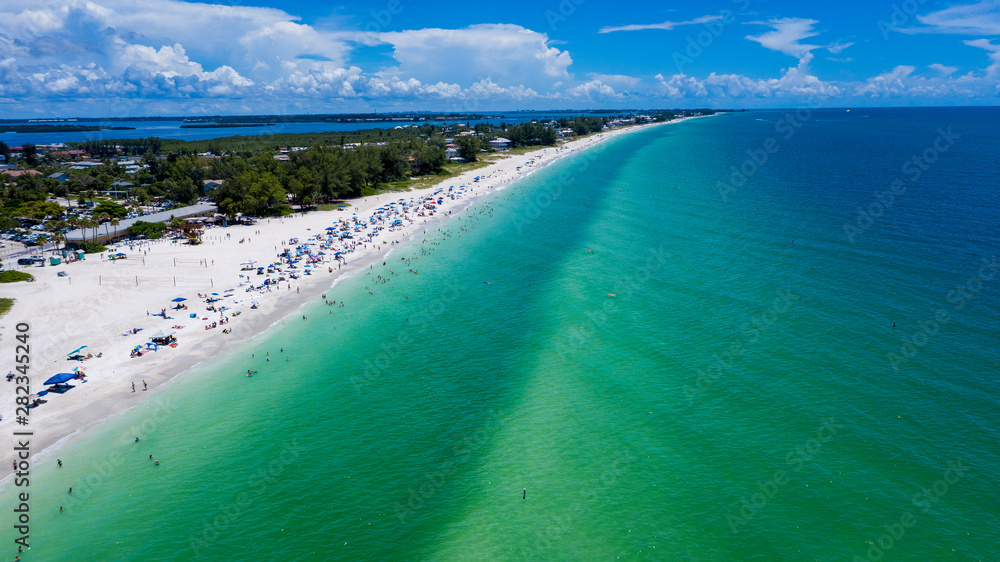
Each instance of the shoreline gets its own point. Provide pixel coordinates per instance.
(63, 312)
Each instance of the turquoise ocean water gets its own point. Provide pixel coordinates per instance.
(743, 395)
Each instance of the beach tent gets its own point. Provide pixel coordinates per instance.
(162, 334)
(60, 378)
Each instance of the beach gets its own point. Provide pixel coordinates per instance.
(112, 307)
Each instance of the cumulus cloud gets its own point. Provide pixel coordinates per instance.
(665, 26)
(595, 90)
(504, 53)
(795, 83)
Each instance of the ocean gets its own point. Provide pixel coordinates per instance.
(767, 335)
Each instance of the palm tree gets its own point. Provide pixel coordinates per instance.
(105, 218)
(41, 244)
(57, 238)
(114, 222)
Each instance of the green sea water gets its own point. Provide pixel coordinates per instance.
(609, 359)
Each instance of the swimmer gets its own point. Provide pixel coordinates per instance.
(611, 295)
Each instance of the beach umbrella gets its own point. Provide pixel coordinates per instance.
(215, 294)
(331, 228)
(179, 299)
(79, 369)
(38, 394)
(60, 378)
(75, 351)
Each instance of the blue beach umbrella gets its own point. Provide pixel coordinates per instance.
(179, 299)
(60, 378)
(75, 351)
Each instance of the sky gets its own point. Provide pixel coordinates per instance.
(131, 58)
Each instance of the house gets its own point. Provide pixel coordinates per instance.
(500, 143)
(60, 176)
(451, 152)
(85, 165)
(209, 185)
(282, 157)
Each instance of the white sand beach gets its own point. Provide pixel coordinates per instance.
(100, 300)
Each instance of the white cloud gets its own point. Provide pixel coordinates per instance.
(504, 53)
(838, 47)
(796, 83)
(981, 18)
(993, 71)
(595, 90)
(942, 69)
(665, 26)
(786, 36)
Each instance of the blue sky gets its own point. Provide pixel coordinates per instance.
(168, 57)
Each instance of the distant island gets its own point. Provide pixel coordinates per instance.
(58, 128)
(223, 125)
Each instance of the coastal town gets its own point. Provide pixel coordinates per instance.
(143, 289)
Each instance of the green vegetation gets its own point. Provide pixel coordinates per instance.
(14, 276)
(5, 306)
(223, 125)
(111, 209)
(48, 128)
(151, 230)
(92, 248)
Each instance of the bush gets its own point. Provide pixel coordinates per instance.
(147, 229)
(92, 248)
(14, 276)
